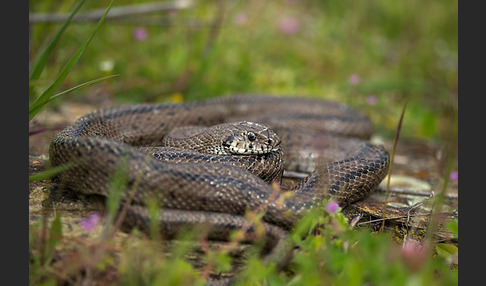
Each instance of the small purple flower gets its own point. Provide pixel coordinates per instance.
(454, 176)
(90, 222)
(371, 99)
(140, 34)
(414, 255)
(332, 207)
(240, 18)
(288, 25)
(354, 79)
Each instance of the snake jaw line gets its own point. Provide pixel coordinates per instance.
(250, 151)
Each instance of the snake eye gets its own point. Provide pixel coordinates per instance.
(251, 136)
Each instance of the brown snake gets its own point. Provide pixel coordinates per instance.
(207, 189)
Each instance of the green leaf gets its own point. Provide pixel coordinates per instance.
(55, 235)
(46, 174)
(446, 250)
(46, 95)
(453, 226)
(153, 214)
(116, 189)
(222, 262)
(80, 86)
(41, 60)
(341, 219)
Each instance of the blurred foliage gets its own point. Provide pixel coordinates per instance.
(391, 51)
(331, 255)
(39, 63)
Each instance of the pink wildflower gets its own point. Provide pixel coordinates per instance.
(240, 18)
(288, 25)
(140, 34)
(90, 222)
(414, 255)
(371, 99)
(454, 176)
(332, 207)
(354, 79)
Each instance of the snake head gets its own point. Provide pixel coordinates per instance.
(250, 138)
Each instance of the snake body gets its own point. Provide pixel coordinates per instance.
(201, 186)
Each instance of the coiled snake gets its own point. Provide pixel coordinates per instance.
(202, 186)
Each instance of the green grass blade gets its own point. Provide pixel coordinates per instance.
(80, 86)
(55, 236)
(41, 60)
(116, 190)
(44, 97)
(46, 174)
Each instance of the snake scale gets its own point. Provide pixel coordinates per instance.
(263, 135)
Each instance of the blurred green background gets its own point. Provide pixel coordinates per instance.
(374, 55)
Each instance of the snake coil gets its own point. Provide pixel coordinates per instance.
(199, 187)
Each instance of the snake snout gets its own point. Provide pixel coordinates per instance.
(251, 138)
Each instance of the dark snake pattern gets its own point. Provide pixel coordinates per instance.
(325, 139)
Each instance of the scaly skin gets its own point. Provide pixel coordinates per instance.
(210, 190)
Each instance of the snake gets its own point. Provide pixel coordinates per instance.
(210, 162)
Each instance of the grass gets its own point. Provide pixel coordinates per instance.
(41, 61)
(399, 51)
(340, 256)
(375, 55)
